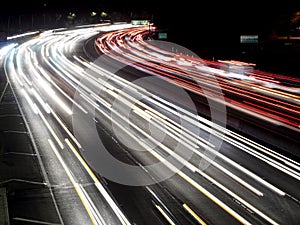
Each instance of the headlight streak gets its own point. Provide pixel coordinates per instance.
(6, 49)
(43, 72)
(32, 105)
(51, 93)
(22, 35)
(259, 147)
(11, 68)
(266, 159)
(219, 134)
(206, 147)
(19, 70)
(41, 101)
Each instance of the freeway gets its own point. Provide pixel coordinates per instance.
(273, 97)
(112, 116)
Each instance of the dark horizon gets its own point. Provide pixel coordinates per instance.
(214, 17)
(209, 29)
(252, 11)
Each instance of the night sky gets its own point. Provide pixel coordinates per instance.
(233, 15)
(208, 10)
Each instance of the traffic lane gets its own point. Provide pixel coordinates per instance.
(256, 166)
(269, 173)
(145, 159)
(147, 162)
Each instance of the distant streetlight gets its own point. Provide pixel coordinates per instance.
(44, 14)
(71, 15)
(103, 14)
(93, 14)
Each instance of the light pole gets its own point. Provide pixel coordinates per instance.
(44, 14)
(8, 24)
(20, 23)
